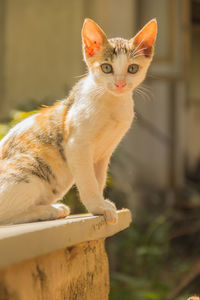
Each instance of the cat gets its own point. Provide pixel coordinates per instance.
(71, 142)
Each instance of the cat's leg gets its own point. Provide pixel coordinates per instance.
(41, 213)
(21, 201)
(16, 196)
(80, 162)
(101, 168)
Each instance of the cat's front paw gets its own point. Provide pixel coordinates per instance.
(108, 209)
(62, 210)
(110, 212)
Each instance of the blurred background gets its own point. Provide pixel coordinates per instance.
(156, 169)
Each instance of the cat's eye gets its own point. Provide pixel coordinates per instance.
(106, 68)
(133, 68)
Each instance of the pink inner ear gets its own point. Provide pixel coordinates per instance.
(146, 37)
(92, 37)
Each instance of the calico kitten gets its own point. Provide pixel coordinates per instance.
(72, 141)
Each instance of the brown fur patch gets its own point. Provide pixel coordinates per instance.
(39, 150)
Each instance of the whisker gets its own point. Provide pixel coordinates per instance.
(152, 76)
(83, 75)
(98, 91)
(140, 50)
(145, 92)
(139, 55)
(139, 93)
(146, 88)
(138, 45)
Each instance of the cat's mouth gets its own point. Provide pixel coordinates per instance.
(119, 91)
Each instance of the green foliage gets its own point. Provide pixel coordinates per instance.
(144, 264)
(72, 200)
(3, 129)
(139, 252)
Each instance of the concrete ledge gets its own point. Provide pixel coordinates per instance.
(25, 241)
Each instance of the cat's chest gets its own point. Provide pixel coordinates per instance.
(100, 124)
(113, 127)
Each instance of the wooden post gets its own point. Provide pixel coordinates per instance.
(55, 260)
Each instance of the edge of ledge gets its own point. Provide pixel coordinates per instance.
(25, 241)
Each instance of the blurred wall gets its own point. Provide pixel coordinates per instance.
(193, 105)
(42, 50)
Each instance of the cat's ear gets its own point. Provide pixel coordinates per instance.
(93, 37)
(145, 38)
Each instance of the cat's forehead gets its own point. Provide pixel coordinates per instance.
(116, 47)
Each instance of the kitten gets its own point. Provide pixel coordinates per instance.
(72, 141)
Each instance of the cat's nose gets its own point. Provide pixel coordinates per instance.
(120, 84)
